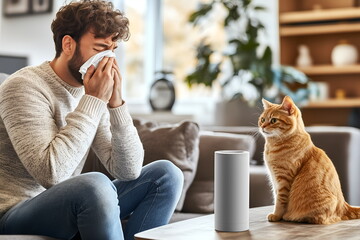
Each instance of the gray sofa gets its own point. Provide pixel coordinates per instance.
(340, 143)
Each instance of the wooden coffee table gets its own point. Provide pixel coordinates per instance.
(203, 228)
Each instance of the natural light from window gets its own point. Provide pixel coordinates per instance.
(134, 73)
(179, 43)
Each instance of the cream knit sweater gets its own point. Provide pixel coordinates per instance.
(47, 128)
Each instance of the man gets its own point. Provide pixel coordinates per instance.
(50, 118)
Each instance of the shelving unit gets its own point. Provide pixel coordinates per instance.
(330, 70)
(321, 29)
(330, 14)
(321, 25)
(335, 103)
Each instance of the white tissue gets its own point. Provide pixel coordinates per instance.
(94, 60)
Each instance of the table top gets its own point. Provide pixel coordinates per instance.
(203, 228)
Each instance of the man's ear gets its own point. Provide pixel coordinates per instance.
(68, 45)
(266, 104)
(288, 105)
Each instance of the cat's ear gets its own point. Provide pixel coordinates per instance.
(288, 105)
(266, 104)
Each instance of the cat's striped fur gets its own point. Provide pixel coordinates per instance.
(305, 183)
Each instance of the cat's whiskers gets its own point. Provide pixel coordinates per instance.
(257, 133)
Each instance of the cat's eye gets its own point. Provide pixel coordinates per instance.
(273, 120)
(262, 120)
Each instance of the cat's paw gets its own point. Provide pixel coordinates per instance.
(273, 218)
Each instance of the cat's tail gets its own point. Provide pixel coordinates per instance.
(351, 212)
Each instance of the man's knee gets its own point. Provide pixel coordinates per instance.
(97, 188)
(168, 173)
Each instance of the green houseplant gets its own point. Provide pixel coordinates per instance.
(249, 66)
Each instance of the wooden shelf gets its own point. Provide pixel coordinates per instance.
(335, 103)
(319, 15)
(330, 69)
(319, 29)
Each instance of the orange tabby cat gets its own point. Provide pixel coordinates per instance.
(305, 183)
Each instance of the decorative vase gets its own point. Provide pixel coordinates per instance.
(304, 58)
(344, 54)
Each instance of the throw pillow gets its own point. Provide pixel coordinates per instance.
(214, 141)
(177, 143)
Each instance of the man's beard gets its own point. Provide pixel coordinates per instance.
(75, 63)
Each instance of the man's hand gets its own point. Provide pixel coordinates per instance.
(100, 82)
(116, 97)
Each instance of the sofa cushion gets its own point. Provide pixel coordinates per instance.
(178, 143)
(261, 193)
(200, 198)
(214, 141)
(258, 158)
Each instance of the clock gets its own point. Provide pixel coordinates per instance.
(162, 94)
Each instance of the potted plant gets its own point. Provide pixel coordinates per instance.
(243, 67)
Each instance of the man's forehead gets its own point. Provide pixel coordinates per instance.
(108, 41)
(93, 33)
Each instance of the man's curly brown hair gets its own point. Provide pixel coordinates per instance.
(76, 18)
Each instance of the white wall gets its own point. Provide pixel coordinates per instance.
(28, 36)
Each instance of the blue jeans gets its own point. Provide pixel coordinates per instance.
(93, 205)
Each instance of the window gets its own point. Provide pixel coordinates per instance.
(161, 39)
(134, 52)
(179, 45)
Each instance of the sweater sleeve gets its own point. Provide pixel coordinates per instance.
(50, 154)
(118, 146)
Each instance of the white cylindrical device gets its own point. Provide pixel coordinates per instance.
(231, 203)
